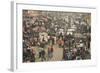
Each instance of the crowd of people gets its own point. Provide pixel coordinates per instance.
(68, 31)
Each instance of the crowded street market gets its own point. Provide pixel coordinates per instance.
(56, 36)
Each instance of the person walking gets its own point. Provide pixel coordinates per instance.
(50, 52)
(43, 55)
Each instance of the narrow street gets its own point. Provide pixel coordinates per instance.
(57, 54)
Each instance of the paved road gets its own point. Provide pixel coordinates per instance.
(57, 54)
